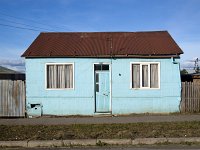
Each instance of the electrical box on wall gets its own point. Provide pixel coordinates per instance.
(34, 110)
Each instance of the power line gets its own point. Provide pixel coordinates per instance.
(188, 67)
(24, 24)
(21, 18)
(6, 25)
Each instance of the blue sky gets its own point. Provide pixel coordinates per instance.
(180, 17)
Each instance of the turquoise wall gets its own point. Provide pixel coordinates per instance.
(80, 100)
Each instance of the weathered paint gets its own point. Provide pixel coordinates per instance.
(124, 100)
(12, 98)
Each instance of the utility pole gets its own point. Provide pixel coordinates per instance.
(196, 66)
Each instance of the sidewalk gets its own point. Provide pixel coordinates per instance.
(99, 119)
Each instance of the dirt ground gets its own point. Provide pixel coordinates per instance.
(88, 131)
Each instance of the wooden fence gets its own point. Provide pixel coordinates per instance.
(12, 98)
(190, 101)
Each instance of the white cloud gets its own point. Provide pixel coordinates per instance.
(14, 64)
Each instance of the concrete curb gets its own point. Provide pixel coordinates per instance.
(13, 143)
(114, 141)
(150, 141)
(81, 142)
(97, 142)
(47, 143)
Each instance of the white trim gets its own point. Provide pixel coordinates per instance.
(110, 80)
(59, 64)
(144, 63)
(93, 76)
(131, 80)
(110, 69)
(149, 76)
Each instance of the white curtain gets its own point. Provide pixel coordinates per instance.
(68, 76)
(144, 75)
(59, 76)
(154, 75)
(136, 76)
(51, 76)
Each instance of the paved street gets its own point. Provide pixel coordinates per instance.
(99, 120)
(159, 147)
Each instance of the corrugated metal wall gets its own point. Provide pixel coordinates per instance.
(12, 98)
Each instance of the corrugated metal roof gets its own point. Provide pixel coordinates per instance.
(4, 70)
(102, 44)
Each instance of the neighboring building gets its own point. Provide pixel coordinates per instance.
(194, 77)
(8, 74)
(90, 73)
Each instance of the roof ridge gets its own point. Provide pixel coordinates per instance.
(106, 32)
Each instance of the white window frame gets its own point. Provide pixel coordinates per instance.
(46, 64)
(144, 63)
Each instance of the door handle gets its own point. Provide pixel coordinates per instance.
(105, 94)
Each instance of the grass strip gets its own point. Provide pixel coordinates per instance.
(93, 131)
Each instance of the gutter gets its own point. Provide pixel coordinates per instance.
(108, 56)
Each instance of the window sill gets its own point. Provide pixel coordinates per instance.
(145, 88)
(60, 89)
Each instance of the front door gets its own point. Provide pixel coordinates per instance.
(102, 91)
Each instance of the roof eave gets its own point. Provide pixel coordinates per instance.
(110, 56)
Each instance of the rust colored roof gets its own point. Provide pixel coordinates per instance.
(103, 44)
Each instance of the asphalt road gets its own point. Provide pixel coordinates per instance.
(158, 147)
(99, 120)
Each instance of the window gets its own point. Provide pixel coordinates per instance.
(145, 75)
(59, 76)
(101, 67)
(97, 82)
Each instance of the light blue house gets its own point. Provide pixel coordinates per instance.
(89, 73)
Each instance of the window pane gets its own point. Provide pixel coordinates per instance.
(136, 76)
(97, 88)
(154, 75)
(105, 67)
(51, 76)
(68, 76)
(97, 77)
(60, 75)
(97, 67)
(48, 77)
(144, 75)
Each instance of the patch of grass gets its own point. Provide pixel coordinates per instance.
(93, 131)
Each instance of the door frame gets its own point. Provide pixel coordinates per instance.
(94, 82)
